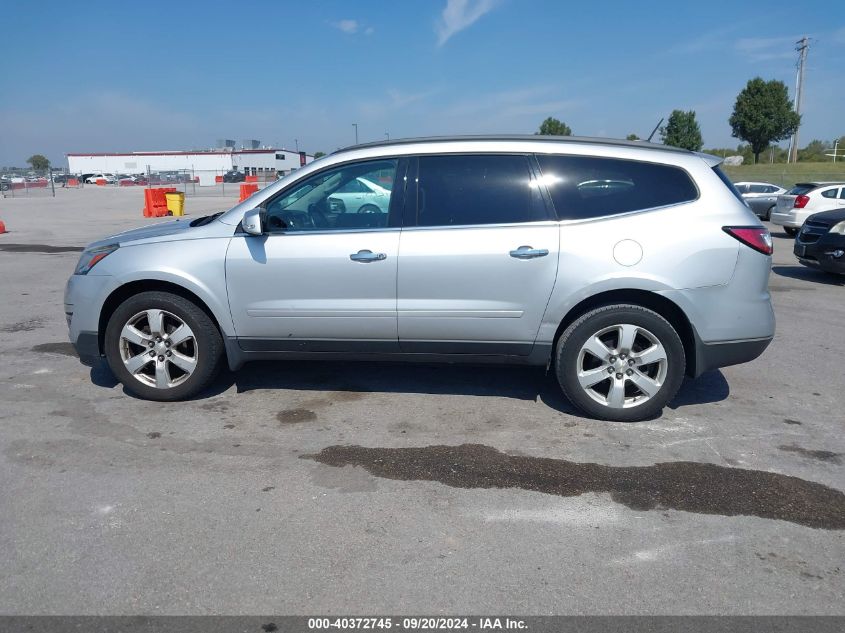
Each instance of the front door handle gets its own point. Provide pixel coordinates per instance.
(526, 252)
(367, 256)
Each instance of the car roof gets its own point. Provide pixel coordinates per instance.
(757, 182)
(588, 140)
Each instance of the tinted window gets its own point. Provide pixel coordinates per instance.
(587, 187)
(830, 193)
(759, 189)
(742, 188)
(318, 203)
(771, 189)
(459, 190)
(799, 190)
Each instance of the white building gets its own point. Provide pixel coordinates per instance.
(266, 163)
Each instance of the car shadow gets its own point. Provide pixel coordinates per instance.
(516, 382)
(803, 273)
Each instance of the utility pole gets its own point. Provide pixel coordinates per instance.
(296, 141)
(355, 125)
(387, 134)
(802, 46)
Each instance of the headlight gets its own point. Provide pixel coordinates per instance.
(839, 229)
(91, 257)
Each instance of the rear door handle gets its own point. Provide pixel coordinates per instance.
(367, 256)
(527, 252)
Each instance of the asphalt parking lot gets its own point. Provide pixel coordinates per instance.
(299, 488)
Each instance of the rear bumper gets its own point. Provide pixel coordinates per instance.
(725, 353)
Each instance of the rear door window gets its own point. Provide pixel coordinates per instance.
(589, 187)
(460, 190)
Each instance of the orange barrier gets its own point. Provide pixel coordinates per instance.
(101, 182)
(251, 179)
(155, 202)
(247, 190)
(2, 228)
(218, 179)
(72, 182)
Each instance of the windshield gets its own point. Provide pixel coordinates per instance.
(799, 190)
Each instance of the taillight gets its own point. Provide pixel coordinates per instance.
(801, 201)
(756, 237)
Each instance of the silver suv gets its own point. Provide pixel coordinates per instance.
(624, 266)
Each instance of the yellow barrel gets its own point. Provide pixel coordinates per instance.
(175, 202)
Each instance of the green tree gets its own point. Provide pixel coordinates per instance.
(815, 152)
(682, 130)
(38, 162)
(552, 127)
(763, 114)
(632, 137)
(319, 155)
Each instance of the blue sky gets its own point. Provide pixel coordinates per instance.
(177, 75)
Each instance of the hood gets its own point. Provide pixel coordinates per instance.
(829, 217)
(145, 232)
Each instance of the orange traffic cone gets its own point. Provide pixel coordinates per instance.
(2, 228)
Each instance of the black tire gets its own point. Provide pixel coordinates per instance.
(209, 345)
(577, 334)
(369, 208)
(790, 231)
(768, 215)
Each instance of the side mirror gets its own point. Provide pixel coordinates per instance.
(251, 222)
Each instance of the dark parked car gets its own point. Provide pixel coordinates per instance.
(761, 197)
(821, 242)
(234, 176)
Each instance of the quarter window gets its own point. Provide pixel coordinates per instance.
(332, 200)
(476, 189)
(830, 193)
(588, 187)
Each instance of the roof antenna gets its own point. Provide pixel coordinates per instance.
(654, 130)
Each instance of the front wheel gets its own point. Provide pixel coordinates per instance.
(620, 362)
(162, 346)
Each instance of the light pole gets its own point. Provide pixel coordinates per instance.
(355, 125)
(835, 149)
(296, 140)
(387, 134)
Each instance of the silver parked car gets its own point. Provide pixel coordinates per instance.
(621, 266)
(761, 197)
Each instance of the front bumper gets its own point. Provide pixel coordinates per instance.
(83, 300)
(822, 254)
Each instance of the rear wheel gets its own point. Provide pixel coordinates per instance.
(620, 362)
(792, 232)
(162, 346)
(768, 215)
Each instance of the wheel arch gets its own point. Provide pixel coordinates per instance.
(124, 291)
(666, 308)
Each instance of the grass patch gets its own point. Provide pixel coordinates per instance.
(787, 175)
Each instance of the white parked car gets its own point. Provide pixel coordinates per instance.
(93, 178)
(360, 195)
(761, 197)
(805, 199)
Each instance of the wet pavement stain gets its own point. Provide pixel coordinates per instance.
(293, 416)
(65, 349)
(153, 435)
(268, 488)
(822, 456)
(23, 326)
(686, 486)
(39, 248)
(790, 421)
